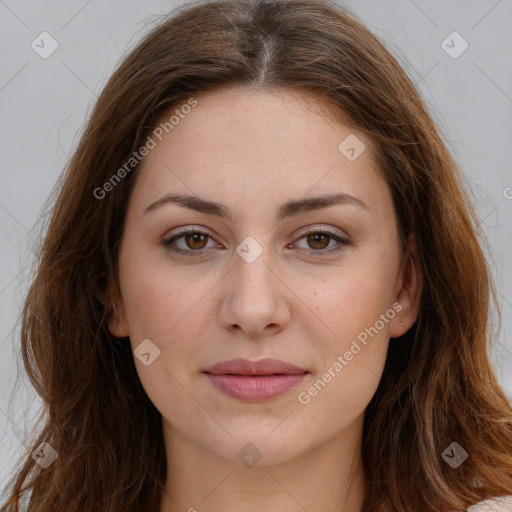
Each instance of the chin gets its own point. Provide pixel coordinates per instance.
(258, 448)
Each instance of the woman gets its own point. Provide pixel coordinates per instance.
(262, 286)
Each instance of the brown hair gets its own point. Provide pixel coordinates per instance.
(438, 385)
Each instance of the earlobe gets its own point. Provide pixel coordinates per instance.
(409, 291)
(116, 323)
(116, 318)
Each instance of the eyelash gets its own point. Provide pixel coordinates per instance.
(314, 231)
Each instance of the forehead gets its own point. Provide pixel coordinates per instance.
(238, 140)
(248, 120)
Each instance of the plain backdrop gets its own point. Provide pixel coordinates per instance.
(44, 101)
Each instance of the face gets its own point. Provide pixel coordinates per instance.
(320, 286)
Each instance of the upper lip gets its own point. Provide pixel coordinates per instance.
(268, 366)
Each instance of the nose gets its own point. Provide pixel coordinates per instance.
(256, 299)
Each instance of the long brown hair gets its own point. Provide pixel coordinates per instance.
(438, 386)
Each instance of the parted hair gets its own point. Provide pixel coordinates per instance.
(438, 385)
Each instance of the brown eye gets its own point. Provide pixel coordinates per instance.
(318, 240)
(189, 242)
(196, 240)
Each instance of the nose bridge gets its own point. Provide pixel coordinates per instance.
(252, 264)
(253, 295)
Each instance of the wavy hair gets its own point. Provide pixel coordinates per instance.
(438, 385)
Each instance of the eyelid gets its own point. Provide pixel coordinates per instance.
(342, 240)
(167, 241)
(315, 228)
(192, 228)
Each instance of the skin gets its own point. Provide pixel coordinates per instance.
(252, 151)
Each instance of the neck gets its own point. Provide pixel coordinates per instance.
(329, 477)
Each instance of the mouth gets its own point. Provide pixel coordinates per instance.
(255, 381)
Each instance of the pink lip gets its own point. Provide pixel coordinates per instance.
(255, 381)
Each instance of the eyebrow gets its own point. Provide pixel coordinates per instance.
(288, 209)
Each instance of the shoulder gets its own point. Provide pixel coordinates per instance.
(501, 504)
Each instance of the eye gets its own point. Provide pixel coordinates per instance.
(194, 240)
(320, 238)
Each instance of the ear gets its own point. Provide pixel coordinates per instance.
(409, 288)
(116, 321)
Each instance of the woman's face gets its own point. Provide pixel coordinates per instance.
(253, 283)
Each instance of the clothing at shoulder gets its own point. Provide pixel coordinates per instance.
(501, 504)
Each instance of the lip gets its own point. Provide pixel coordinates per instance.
(267, 366)
(255, 381)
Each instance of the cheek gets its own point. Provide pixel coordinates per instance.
(354, 309)
(351, 353)
(165, 305)
(164, 308)
(354, 300)
(356, 333)
(156, 294)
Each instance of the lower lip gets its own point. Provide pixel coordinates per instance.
(255, 388)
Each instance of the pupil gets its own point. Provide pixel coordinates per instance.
(196, 237)
(317, 237)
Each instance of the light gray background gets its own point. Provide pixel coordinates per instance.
(44, 102)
